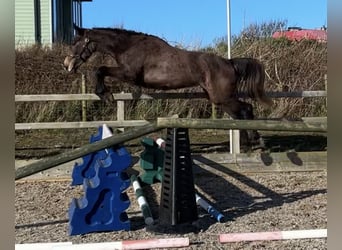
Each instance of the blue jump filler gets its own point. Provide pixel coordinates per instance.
(86, 168)
(102, 208)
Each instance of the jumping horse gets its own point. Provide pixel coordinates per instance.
(148, 61)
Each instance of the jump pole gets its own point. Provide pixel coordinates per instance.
(210, 209)
(84, 150)
(271, 125)
(117, 245)
(41, 246)
(145, 208)
(277, 235)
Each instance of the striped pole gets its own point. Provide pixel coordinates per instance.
(41, 246)
(277, 235)
(117, 245)
(145, 209)
(210, 209)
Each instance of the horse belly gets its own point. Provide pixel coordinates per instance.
(170, 77)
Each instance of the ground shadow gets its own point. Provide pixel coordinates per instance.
(298, 143)
(294, 158)
(41, 224)
(235, 202)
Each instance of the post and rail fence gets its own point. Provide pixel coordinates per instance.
(120, 98)
(122, 123)
(143, 127)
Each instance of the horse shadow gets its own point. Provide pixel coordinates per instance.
(235, 202)
(294, 158)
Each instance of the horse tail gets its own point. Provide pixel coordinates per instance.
(250, 79)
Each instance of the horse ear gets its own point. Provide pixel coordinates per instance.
(79, 31)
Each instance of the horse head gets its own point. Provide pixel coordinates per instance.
(81, 49)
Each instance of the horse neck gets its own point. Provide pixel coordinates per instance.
(112, 42)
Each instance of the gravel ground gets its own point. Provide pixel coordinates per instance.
(249, 202)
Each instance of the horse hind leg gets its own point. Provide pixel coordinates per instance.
(247, 114)
(243, 111)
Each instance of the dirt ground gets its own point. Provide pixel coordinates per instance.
(250, 203)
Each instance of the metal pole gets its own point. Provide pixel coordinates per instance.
(234, 135)
(228, 29)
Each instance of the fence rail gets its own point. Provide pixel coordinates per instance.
(151, 96)
(120, 98)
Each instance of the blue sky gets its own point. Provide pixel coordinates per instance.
(199, 22)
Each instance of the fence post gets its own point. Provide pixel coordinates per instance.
(234, 141)
(84, 102)
(326, 89)
(120, 112)
(213, 111)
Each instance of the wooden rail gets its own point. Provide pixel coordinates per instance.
(269, 125)
(151, 96)
(92, 124)
(120, 98)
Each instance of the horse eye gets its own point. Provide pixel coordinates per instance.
(86, 40)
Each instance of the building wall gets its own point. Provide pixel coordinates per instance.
(46, 21)
(33, 22)
(24, 22)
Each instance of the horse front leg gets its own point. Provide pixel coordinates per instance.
(101, 90)
(117, 74)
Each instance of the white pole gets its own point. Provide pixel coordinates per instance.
(228, 29)
(234, 135)
(276, 235)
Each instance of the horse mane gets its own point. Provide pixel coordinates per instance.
(121, 31)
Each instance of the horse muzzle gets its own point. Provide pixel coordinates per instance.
(70, 63)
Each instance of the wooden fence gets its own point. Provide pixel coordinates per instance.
(121, 98)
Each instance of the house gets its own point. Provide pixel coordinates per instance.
(297, 33)
(46, 21)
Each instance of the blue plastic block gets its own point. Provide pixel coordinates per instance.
(86, 168)
(103, 206)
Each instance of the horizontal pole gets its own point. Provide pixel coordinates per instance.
(92, 124)
(84, 150)
(113, 124)
(163, 95)
(277, 235)
(294, 126)
(297, 94)
(117, 97)
(41, 246)
(119, 245)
